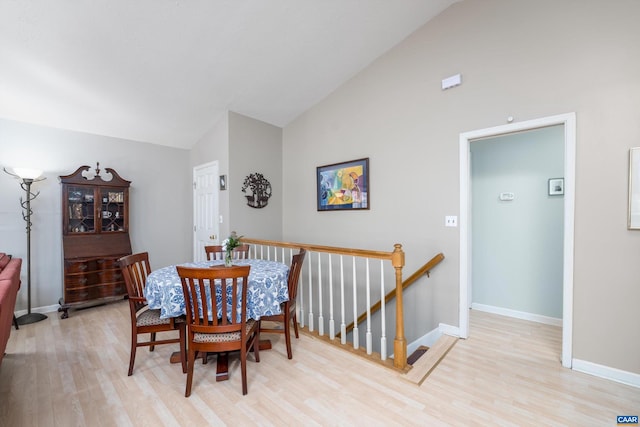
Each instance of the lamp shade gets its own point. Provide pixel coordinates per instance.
(26, 173)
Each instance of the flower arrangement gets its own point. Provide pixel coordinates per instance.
(228, 245)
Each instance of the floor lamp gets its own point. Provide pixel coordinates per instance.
(28, 177)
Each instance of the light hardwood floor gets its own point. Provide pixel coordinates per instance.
(73, 372)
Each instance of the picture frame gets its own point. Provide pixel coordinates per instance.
(343, 186)
(115, 197)
(556, 187)
(633, 221)
(223, 182)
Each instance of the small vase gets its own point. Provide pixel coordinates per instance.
(227, 259)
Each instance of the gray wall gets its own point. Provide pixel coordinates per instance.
(517, 245)
(242, 146)
(255, 147)
(517, 58)
(161, 192)
(160, 195)
(214, 146)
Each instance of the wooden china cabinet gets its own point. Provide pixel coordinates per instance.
(95, 234)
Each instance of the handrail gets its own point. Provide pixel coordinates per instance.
(396, 257)
(425, 269)
(320, 248)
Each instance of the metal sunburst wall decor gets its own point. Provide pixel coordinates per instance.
(260, 189)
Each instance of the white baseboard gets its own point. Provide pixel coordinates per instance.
(517, 314)
(428, 339)
(45, 309)
(606, 372)
(454, 331)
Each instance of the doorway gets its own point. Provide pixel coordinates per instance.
(569, 125)
(205, 208)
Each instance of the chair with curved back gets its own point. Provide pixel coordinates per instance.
(216, 252)
(216, 324)
(135, 269)
(288, 308)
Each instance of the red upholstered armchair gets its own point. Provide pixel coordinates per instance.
(9, 286)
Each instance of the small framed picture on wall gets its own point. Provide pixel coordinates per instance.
(556, 186)
(223, 182)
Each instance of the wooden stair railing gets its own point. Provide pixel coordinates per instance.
(396, 257)
(425, 269)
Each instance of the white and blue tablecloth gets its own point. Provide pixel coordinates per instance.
(267, 288)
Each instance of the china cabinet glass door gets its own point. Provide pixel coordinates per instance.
(112, 210)
(81, 205)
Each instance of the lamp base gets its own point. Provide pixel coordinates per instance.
(28, 318)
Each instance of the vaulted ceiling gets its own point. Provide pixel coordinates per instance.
(164, 71)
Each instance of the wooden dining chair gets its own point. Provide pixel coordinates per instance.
(216, 252)
(214, 323)
(135, 269)
(288, 308)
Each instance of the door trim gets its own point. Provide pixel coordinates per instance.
(568, 120)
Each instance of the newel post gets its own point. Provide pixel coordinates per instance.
(400, 342)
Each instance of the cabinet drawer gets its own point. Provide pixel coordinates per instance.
(80, 266)
(112, 290)
(108, 263)
(88, 293)
(81, 294)
(110, 276)
(80, 279)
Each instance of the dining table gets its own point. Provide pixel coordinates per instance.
(266, 292)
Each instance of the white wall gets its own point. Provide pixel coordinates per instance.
(517, 58)
(160, 195)
(517, 245)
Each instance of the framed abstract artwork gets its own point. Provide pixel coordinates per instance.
(343, 186)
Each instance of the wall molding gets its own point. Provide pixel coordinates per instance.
(43, 309)
(430, 338)
(454, 331)
(606, 372)
(554, 321)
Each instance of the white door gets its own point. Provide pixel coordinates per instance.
(205, 208)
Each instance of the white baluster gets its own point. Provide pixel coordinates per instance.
(356, 337)
(383, 336)
(343, 325)
(301, 299)
(368, 334)
(310, 298)
(332, 326)
(320, 312)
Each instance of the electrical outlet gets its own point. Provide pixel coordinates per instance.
(451, 221)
